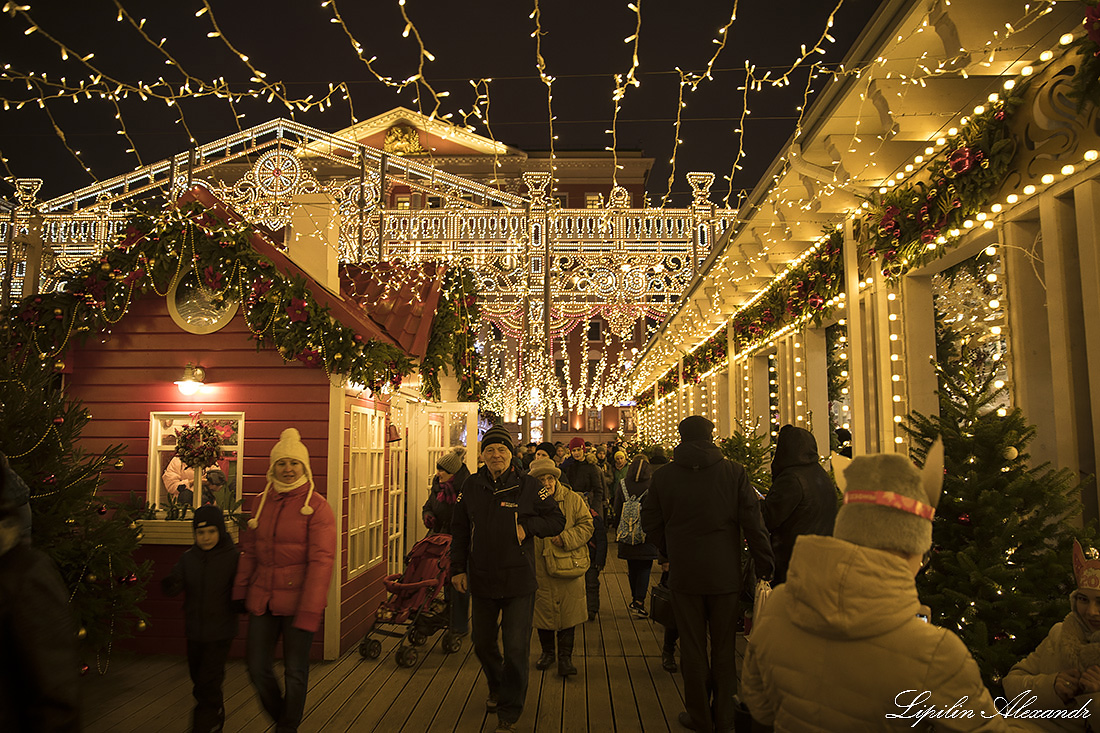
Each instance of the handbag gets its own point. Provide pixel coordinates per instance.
(760, 599)
(660, 606)
(563, 563)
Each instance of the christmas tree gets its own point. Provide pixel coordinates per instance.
(1000, 571)
(91, 539)
(751, 449)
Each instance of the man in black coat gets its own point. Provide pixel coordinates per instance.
(496, 565)
(802, 499)
(696, 511)
(39, 686)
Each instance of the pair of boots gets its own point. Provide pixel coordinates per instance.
(564, 657)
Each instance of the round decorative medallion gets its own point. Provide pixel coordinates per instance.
(196, 308)
(277, 172)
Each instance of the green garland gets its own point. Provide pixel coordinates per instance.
(451, 344)
(711, 354)
(155, 249)
(804, 293)
(908, 220)
(1086, 82)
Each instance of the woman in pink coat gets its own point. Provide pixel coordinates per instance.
(283, 577)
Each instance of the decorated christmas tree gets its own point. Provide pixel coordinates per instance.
(749, 447)
(1000, 570)
(92, 539)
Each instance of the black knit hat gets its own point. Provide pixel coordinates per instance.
(498, 434)
(548, 448)
(696, 427)
(209, 515)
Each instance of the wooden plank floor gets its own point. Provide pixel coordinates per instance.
(620, 686)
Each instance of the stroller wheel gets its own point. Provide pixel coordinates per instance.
(370, 649)
(417, 638)
(406, 656)
(451, 643)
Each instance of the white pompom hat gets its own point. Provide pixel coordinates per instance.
(290, 445)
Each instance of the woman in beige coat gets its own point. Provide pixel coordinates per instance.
(839, 646)
(560, 601)
(1064, 672)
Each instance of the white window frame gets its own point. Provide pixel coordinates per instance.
(163, 424)
(366, 489)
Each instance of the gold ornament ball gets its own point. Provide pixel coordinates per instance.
(120, 464)
(82, 633)
(59, 365)
(91, 577)
(140, 536)
(105, 267)
(1011, 453)
(141, 625)
(337, 356)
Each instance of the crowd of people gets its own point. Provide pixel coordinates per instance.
(843, 643)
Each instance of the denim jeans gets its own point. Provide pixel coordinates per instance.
(263, 632)
(637, 574)
(507, 674)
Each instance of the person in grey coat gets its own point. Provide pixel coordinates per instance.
(802, 499)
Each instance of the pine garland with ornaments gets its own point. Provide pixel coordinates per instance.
(911, 223)
(157, 247)
(1000, 572)
(454, 332)
(92, 539)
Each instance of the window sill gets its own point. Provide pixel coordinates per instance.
(174, 531)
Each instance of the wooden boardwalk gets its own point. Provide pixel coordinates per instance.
(620, 686)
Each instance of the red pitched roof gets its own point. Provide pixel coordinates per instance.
(342, 307)
(400, 299)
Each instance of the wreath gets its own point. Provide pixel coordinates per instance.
(199, 445)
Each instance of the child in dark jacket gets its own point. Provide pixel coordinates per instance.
(205, 576)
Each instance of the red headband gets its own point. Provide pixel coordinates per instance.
(892, 500)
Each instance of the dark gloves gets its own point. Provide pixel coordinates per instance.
(429, 520)
(239, 606)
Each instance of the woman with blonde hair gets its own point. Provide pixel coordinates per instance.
(560, 564)
(283, 576)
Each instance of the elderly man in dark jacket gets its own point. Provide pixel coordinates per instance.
(802, 499)
(696, 511)
(496, 564)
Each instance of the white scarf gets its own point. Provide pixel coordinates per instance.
(283, 488)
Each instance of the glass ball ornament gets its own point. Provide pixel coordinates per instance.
(82, 633)
(141, 625)
(91, 577)
(1011, 453)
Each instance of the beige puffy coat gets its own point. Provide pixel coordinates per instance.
(560, 602)
(1034, 676)
(839, 643)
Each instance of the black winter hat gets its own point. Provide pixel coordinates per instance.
(497, 434)
(549, 448)
(695, 427)
(209, 515)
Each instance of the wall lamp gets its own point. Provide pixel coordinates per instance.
(192, 379)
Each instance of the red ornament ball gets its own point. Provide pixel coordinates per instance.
(964, 519)
(83, 670)
(59, 420)
(49, 480)
(101, 510)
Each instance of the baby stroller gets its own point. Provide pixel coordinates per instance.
(415, 608)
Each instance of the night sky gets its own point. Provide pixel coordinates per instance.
(296, 43)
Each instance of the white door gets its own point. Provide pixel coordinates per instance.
(433, 429)
(396, 451)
